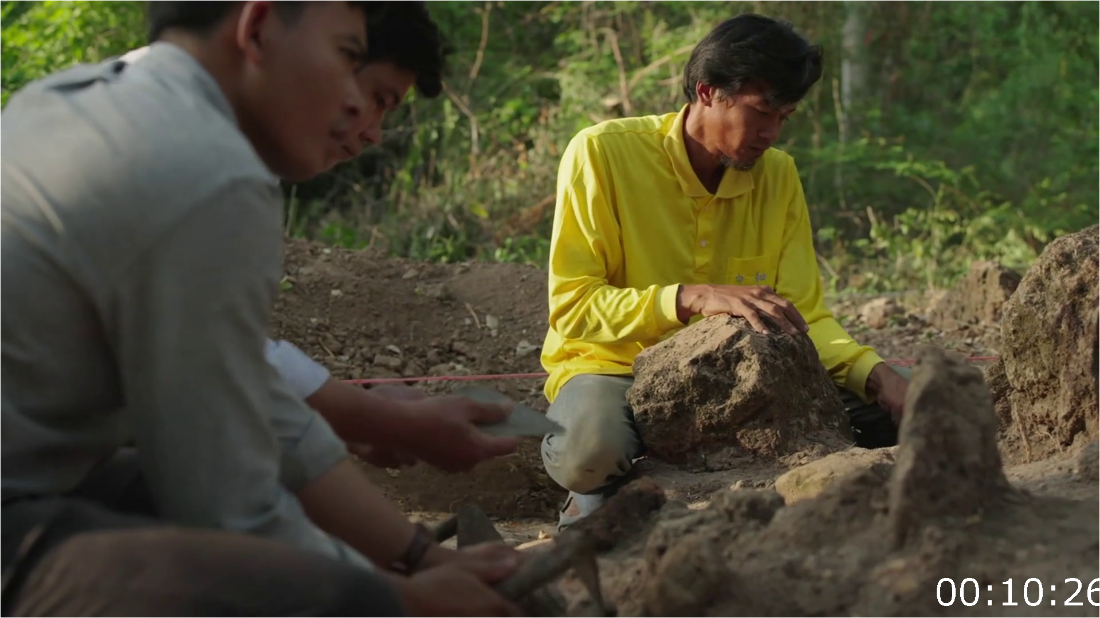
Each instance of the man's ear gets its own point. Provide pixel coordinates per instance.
(706, 94)
(254, 24)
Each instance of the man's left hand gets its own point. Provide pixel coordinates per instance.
(888, 388)
(399, 392)
(382, 457)
(492, 552)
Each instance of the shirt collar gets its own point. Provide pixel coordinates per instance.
(734, 182)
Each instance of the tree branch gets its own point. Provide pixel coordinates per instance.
(474, 70)
(624, 90)
(656, 64)
(475, 139)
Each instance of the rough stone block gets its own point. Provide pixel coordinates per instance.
(718, 383)
(948, 464)
(979, 297)
(811, 479)
(1051, 342)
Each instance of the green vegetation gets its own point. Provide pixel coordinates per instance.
(941, 133)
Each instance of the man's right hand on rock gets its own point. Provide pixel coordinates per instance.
(746, 301)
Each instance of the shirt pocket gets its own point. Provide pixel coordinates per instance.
(759, 270)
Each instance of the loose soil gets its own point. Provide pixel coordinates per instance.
(364, 315)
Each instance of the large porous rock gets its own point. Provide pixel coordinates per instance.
(811, 479)
(1087, 467)
(686, 570)
(1050, 345)
(718, 383)
(947, 463)
(1013, 441)
(690, 577)
(979, 297)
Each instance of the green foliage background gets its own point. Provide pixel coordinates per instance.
(941, 133)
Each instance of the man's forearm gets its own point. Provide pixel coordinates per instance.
(602, 313)
(359, 416)
(347, 505)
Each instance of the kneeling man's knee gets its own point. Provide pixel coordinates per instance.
(600, 440)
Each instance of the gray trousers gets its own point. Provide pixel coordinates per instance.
(602, 442)
(101, 552)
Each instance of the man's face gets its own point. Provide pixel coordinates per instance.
(384, 86)
(744, 124)
(302, 92)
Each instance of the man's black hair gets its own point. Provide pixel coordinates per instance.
(399, 32)
(755, 49)
(403, 33)
(202, 17)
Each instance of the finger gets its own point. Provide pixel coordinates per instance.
(750, 315)
(400, 393)
(487, 412)
(497, 446)
(792, 313)
(776, 313)
(493, 551)
(489, 571)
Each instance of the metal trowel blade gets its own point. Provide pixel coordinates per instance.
(524, 421)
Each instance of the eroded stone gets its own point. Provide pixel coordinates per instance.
(1051, 343)
(948, 464)
(718, 383)
(979, 297)
(811, 479)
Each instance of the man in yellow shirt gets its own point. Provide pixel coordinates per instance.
(665, 218)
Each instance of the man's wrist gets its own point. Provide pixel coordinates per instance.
(684, 295)
(416, 552)
(391, 420)
(875, 380)
(361, 416)
(437, 555)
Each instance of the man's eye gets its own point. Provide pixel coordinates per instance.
(355, 57)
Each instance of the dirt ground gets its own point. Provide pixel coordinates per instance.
(367, 316)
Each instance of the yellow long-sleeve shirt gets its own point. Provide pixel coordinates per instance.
(633, 222)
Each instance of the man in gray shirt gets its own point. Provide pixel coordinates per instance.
(141, 251)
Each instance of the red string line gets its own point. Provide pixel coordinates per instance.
(523, 376)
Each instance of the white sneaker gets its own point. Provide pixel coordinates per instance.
(577, 507)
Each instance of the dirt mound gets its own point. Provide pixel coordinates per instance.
(1051, 343)
(719, 384)
(942, 529)
(896, 326)
(978, 298)
(364, 315)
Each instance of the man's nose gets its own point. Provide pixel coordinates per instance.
(373, 133)
(355, 104)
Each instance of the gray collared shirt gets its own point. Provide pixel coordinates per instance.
(141, 253)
